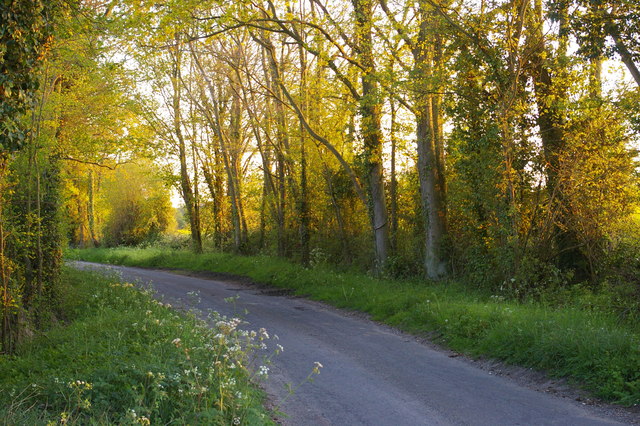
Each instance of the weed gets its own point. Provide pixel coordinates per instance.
(126, 358)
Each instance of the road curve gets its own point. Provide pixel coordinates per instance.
(372, 375)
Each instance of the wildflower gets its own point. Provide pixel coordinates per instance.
(80, 385)
(264, 371)
(280, 348)
(236, 420)
(176, 342)
(264, 334)
(316, 367)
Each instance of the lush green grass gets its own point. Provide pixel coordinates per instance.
(124, 358)
(581, 340)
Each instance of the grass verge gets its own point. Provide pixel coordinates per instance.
(581, 341)
(125, 358)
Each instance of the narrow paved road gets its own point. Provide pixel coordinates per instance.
(372, 375)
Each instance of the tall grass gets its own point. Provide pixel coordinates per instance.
(125, 358)
(578, 340)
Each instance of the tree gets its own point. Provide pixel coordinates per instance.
(26, 30)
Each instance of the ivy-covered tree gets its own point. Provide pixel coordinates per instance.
(26, 31)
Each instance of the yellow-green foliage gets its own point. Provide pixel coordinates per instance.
(137, 204)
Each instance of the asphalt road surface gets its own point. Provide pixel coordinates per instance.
(372, 375)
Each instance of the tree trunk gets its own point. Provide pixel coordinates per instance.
(91, 209)
(370, 107)
(430, 146)
(185, 181)
(303, 203)
(393, 185)
(282, 145)
(612, 29)
(344, 237)
(6, 267)
(549, 97)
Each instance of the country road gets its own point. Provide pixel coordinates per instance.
(372, 375)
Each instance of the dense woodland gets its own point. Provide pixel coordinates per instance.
(493, 141)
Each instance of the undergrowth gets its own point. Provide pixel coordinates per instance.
(582, 339)
(126, 358)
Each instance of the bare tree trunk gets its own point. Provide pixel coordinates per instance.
(223, 154)
(282, 141)
(196, 193)
(236, 151)
(185, 181)
(432, 201)
(612, 29)
(430, 146)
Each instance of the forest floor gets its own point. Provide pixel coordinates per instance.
(580, 339)
(372, 373)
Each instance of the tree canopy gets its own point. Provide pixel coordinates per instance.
(494, 141)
